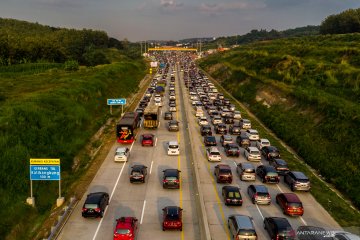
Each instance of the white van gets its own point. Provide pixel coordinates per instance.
(173, 148)
(199, 112)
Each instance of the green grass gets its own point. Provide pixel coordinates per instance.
(46, 112)
(320, 117)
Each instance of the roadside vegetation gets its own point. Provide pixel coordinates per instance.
(307, 91)
(47, 111)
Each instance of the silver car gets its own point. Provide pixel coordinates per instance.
(252, 154)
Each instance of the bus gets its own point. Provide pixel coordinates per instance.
(152, 116)
(127, 127)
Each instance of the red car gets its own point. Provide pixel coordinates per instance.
(172, 218)
(126, 228)
(148, 140)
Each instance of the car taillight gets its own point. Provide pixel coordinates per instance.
(177, 181)
(228, 200)
(268, 196)
(97, 210)
(277, 237)
(165, 181)
(255, 195)
(84, 209)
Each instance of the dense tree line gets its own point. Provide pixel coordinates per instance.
(344, 22)
(24, 42)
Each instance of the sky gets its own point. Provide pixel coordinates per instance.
(140, 20)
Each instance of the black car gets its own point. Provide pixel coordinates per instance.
(280, 165)
(228, 119)
(138, 173)
(173, 125)
(235, 129)
(243, 140)
(232, 195)
(171, 178)
(267, 174)
(95, 204)
(209, 141)
(279, 228)
(270, 152)
(232, 149)
(205, 130)
(220, 128)
(140, 111)
(143, 104)
(168, 116)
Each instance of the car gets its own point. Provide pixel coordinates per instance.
(172, 108)
(171, 178)
(241, 227)
(262, 142)
(297, 181)
(290, 204)
(205, 130)
(209, 141)
(237, 115)
(259, 194)
(148, 140)
(140, 111)
(122, 154)
(243, 140)
(252, 154)
(143, 104)
(158, 103)
(232, 149)
(172, 97)
(267, 174)
(213, 154)
(340, 235)
(279, 228)
(245, 123)
(252, 134)
(228, 119)
(126, 228)
(235, 129)
(216, 120)
(270, 152)
(223, 173)
(172, 218)
(138, 173)
(168, 116)
(95, 204)
(232, 107)
(173, 126)
(203, 121)
(280, 165)
(199, 112)
(226, 139)
(220, 128)
(232, 195)
(173, 148)
(246, 171)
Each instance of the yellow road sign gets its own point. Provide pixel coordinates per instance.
(43, 161)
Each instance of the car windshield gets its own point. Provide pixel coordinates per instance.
(247, 232)
(91, 205)
(263, 194)
(122, 231)
(136, 173)
(272, 174)
(120, 153)
(225, 171)
(173, 217)
(171, 178)
(227, 138)
(295, 205)
(215, 153)
(254, 152)
(147, 138)
(173, 146)
(234, 194)
(249, 170)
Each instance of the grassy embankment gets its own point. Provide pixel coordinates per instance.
(306, 90)
(47, 112)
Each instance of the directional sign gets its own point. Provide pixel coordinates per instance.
(45, 172)
(117, 101)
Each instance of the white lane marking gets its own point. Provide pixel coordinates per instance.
(155, 141)
(301, 218)
(279, 188)
(112, 194)
(151, 165)
(159, 124)
(259, 211)
(235, 164)
(142, 213)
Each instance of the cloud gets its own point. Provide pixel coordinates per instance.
(170, 5)
(219, 8)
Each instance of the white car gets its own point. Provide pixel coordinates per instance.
(216, 120)
(213, 154)
(158, 103)
(172, 109)
(172, 97)
(253, 134)
(203, 121)
(262, 143)
(157, 97)
(122, 154)
(199, 113)
(173, 148)
(252, 154)
(245, 123)
(237, 115)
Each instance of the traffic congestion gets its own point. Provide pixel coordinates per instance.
(146, 186)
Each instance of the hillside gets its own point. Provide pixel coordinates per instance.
(49, 112)
(307, 91)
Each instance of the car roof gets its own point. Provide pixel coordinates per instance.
(210, 137)
(231, 188)
(171, 172)
(268, 168)
(271, 148)
(232, 145)
(223, 166)
(244, 221)
(282, 223)
(261, 188)
(173, 143)
(138, 167)
(247, 165)
(172, 210)
(253, 148)
(148, 135)
(291, 197)
(121, 149)
(124, 222)
(280, 161)
(299, 175)
(94, 197)
(214, 149)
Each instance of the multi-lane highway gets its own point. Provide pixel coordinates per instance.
(145, 201)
